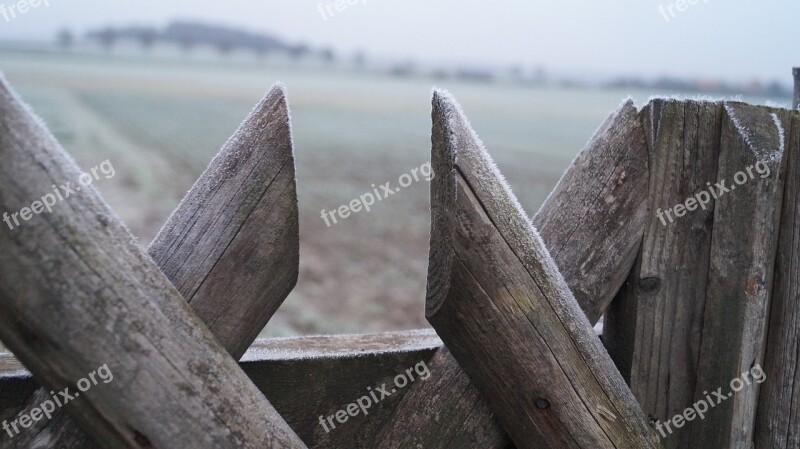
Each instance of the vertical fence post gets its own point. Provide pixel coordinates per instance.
(796, 101)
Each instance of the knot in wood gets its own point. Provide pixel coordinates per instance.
(650, 285)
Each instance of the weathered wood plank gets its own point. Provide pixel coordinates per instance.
(777, 423)
(448, 411)
(654, 331)
(306, 387)
(595, 217)
(84, 295)
(743, 249)
(685, 306)
(231, 247)
(498, 301)
(238, 222)
(592, 223)
(777, 419)
(60, 431)
(304, 378)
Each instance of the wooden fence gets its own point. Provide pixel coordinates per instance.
(678, 223)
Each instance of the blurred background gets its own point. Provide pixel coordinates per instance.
(157, 87)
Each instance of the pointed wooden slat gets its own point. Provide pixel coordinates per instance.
(499, 303)
(231, 247)
(595, 218)
(593, 221)
(78, 293)
(239, 223)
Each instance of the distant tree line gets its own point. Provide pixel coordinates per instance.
(190, 35)
(770, 89)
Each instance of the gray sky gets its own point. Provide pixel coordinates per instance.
(736, 39)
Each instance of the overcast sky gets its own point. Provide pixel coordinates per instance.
(733, 39)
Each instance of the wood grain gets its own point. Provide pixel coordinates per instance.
(232, 246)
(594, 219)
(654, 331)
(743, 249)
(238, 223)
(304, 377)
(85, 295)
(692, 317)
(778, 422)
(777, 419)
(499, 303)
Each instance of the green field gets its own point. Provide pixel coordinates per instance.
(160, 124)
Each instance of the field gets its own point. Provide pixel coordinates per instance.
(160, 123)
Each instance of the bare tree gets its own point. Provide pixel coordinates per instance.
(225, 48)
(298, 51)
(147, 38)
(328, 56)
(107, 37)
(65, 38)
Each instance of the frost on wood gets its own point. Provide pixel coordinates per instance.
(489, 265)
(593, 220)
(504, 208)
(595, 246)
(122, 311)
(232, 246)
(220, 248)
(317, 347)
(601, 133)
(754, 135)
